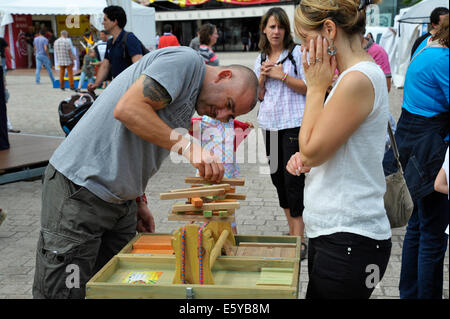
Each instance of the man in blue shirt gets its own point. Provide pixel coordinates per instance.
(436, 17)
(117, 57)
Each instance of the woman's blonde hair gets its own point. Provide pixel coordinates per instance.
(349, 15)
(442, 33)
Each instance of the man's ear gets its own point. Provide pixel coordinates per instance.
(224, 74)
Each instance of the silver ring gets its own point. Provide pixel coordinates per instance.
(318, 60)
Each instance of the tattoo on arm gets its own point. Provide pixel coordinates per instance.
(155, 92)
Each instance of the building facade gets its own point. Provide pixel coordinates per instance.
(238, 20)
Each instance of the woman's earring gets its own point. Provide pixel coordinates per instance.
(331, 50)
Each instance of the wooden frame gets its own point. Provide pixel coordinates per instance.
(242, 285)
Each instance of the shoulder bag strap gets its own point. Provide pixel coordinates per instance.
(394, 147)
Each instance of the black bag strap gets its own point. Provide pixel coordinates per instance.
(124, 46)
(394, 147)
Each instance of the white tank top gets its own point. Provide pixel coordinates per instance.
(345, 194)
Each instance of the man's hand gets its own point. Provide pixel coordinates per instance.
(91, 87)
(209, 166)
(145, 221)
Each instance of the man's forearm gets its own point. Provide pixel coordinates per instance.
(102, 74)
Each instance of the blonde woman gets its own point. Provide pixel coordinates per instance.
(342, 144)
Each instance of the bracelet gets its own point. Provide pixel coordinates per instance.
(142, 198)
(284, 77)
(186, 147)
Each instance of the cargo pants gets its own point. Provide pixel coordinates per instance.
(79, 234)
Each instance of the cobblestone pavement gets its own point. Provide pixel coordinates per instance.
(33, 109)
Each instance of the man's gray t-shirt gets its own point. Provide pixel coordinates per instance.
(101, 154)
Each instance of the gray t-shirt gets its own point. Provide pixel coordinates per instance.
(112, 162)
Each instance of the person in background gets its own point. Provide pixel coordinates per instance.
(342, 146)
(4, 47)
(88, 70)
(436, 17)
(65, 59)
(422, 138)
(195, 42)
(8, 123)
(208, 37)
(282, 90)
(168, 39)
(40, 44)
(118, 57)
(100, 45)
(380, 56)
(29, 37)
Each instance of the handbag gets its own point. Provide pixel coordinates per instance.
(397, 199)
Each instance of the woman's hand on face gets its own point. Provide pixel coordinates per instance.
(319, 66)
(295, 165)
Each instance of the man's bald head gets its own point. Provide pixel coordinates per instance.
(245, 79)
(227, 91)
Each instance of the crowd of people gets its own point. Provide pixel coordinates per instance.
(324, 111)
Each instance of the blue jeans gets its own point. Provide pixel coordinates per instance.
(82, 77)
(424, 249)
(45, 61)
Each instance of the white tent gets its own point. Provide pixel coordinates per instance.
(398, 41)
(420, 13)
(141, 19)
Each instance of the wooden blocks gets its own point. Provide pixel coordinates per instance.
(208, 206)
(157, 244)
(201, 180)
(192, 194)
(197, 202)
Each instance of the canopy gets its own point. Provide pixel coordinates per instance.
(398, 41)
(420, 13)
(141, 19)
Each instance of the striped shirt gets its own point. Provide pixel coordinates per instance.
(208, 55)
(282, 107)
(62, 48)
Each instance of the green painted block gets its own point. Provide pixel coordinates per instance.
(223, 213)
(207, 213)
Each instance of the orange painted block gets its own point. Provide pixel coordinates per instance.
(156, 242)
(231, 190)
(152, 251)
(197, 201)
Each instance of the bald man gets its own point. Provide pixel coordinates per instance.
(91, 201)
